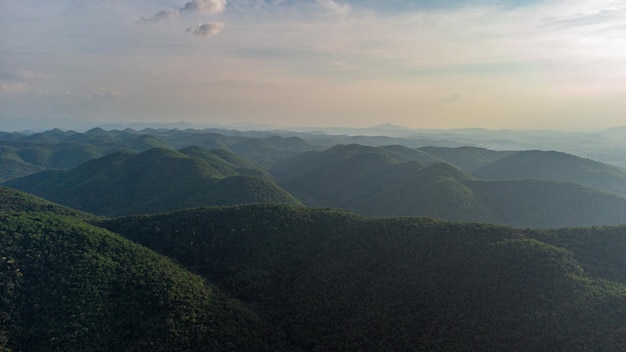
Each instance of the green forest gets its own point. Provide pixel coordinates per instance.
(181, 241)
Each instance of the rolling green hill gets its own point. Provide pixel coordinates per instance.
(378, 181)
(439, 190)
(65, 151)
(558, 167)
(467, 159)
(25, 154)
(154, 181)
(19, 159)
(69, 286)
(336, 281)
(334, 176)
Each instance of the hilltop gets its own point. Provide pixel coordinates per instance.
(156, 180)
(391, 181)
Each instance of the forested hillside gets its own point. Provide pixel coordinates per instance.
(523, 188)
(14, 200)
(56, 149)
(399, 181)
(156, 180)
(335, 281)
(69, 286)
(277, 276)
(293, 278)
(557, 167)
(25, 154)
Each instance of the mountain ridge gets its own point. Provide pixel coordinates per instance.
(154, 181)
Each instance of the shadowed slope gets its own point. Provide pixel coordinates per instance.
(69, 286)
(335, 281)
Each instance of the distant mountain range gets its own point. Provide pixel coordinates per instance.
(120, 172)
(399, 181)
(555, 166)
(25, 154)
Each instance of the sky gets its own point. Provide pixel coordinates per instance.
(496, 64)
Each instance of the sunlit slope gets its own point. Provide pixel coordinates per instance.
(335, 281)
(154, 181)
(69, 286)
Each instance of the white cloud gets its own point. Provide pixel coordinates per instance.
(194, 6)
(204, 6)
(206, 29)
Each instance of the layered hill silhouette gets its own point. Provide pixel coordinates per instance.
(379, 181)
(56, 149)
(335, 281)
(279, 276)
(25, 154)
(156, 180)
(555, 166)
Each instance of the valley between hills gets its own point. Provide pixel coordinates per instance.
(223, 240)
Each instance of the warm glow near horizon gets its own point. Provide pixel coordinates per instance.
(492, 64)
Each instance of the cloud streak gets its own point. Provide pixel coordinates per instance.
(205, 30)
(194, 6)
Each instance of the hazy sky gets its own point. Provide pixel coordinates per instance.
(422, 64)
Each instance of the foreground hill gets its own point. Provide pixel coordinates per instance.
(14, 200)
(555, 166)
(385, 181)
(334, 281)
(69, 286)
(154, 181)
